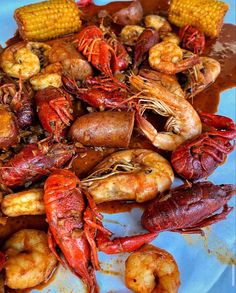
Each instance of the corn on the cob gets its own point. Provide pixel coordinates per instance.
(48, 19)
(207, 15)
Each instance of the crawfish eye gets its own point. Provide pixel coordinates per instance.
(148, 171)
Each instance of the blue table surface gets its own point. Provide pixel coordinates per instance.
(201, 271)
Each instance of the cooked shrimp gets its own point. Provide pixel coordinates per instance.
(42, 50)
(19, 61)
(136, 174)
(201, 76)
(169, 58)
(29, 259)
(44, 80)
(158, 23)
(130, 34)
(151, 269)
(167, 81)
(27, 202)
(183, 122)
(170, 37)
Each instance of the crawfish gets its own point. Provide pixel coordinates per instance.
(74, 224)
(33, 162)
(101, 92)
(199, 157)
(55, 110)
(192, 39)
(17, 97)
(92, 44)
(187, 209)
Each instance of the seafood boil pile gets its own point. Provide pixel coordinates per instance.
(96, 109)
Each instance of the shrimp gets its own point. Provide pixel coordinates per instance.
(151, 269)
(201, 76)
(136, 174)
(42, 50)
(27, 202)
(130, 34)
(44, 80)
(170, 37)
(29, 259)
(158, 23)
(169, 58)
(183, 122)
(19, 61)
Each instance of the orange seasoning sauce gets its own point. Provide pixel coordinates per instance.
(222, 49)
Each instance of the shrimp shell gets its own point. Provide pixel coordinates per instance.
(27, 202)
(169, 58)
(136, 174)
(42, 81)
(19, 61)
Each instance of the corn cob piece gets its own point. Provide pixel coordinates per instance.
(206, 15)
(48, 19)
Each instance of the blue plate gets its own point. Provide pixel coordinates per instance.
(201, 271)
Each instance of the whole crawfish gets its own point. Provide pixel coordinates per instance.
(192, 39)
(17, 97)
(33, 162)
(55, 110)
(108, 56)
(199, 157)
(93, 46)
(187, 209)
(100, 92)
(75, 224)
